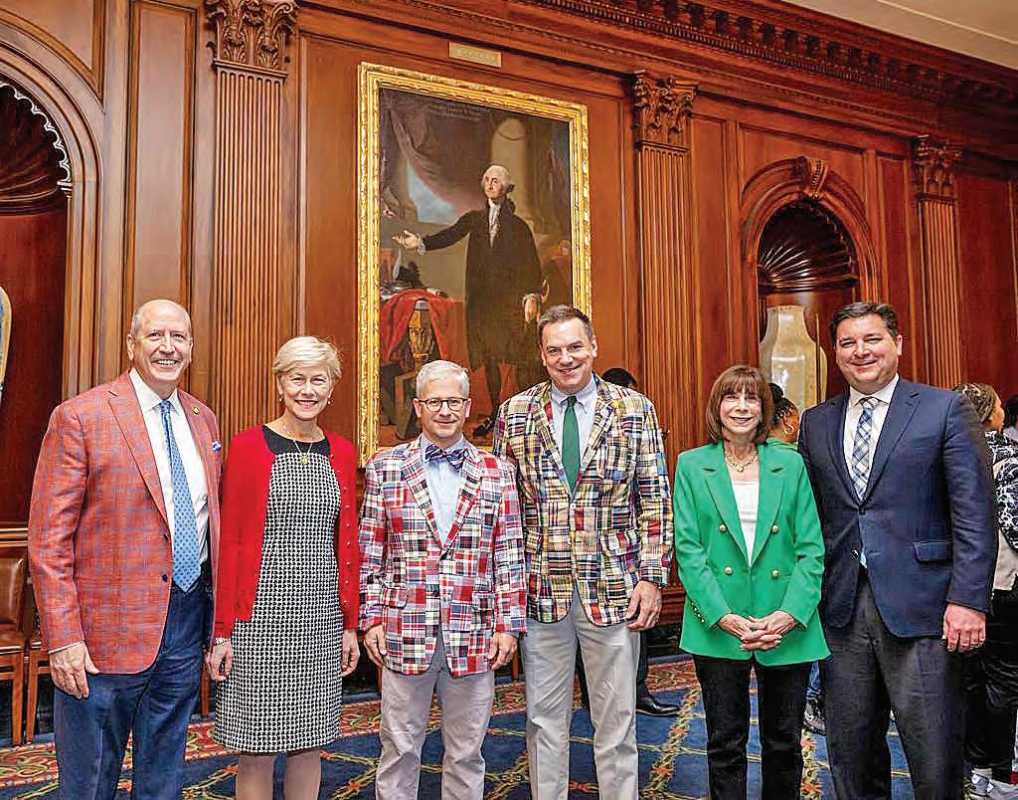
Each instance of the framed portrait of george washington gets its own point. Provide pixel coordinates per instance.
(473, 218)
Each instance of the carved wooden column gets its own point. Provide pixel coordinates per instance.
(932, 170)
(252, 310)
(662, 108)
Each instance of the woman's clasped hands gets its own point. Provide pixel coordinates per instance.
(758, 633)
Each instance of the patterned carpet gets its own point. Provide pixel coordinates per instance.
(672, 755)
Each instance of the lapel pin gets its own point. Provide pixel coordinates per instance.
(195, 409)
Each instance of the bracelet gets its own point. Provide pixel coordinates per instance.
(219, 640)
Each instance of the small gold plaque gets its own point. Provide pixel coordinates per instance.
(476, 55)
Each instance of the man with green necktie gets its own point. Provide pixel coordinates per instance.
(597, 524)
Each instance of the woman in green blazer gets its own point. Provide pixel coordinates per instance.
(751, 556)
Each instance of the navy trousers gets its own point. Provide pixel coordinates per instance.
(155, 705)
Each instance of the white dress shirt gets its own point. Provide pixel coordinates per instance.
(854, 411)
(193, 467)
(443, 484)
(586, 400)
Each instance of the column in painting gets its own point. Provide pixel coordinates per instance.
(252, 287)
(932, 171)
(662, 109)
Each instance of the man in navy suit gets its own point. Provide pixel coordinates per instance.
(904, 490)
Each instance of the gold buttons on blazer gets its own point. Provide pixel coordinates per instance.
(775, 573)
(774, 528)
(723, 528)
(728, 570)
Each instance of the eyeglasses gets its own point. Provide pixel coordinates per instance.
(435, 403)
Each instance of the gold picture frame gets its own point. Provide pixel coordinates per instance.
(373, 213)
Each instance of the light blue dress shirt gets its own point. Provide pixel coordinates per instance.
(443, 485)
(586, 400)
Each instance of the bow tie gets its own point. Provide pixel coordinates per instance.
(454, 457)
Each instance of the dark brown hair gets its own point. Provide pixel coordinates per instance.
(885, 311)
(736, 380)
(562, 313)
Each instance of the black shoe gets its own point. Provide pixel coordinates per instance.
(648, 704)
(485, 427)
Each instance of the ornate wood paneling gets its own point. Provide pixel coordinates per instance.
(252, 292)
(988, 303)
(933, 165)
(159, 154)
(662, 109)
(74, 29)
(802, 42)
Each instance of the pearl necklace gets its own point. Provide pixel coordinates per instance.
(740, 466)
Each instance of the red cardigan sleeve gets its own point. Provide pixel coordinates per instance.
(348, 556)
(245, 498)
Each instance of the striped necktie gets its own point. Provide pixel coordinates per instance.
(861, 446)
(186, 565)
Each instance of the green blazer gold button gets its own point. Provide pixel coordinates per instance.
(774, 528)
(775, 573)
(728, 570)
(723, 528)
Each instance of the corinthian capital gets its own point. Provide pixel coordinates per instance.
(933, 163)
(251, 33)
(662, 107)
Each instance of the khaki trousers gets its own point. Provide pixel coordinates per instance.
(406, 705)
(610, 658)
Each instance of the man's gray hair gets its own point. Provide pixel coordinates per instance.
(139, 314)
(436, 370)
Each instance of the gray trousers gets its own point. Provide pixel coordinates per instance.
(872, 672)
(610, 656)
(406, 706)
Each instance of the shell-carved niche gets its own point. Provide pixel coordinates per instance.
(34, 170)
(805, 248)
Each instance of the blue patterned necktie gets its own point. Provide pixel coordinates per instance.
(454, 457)
(186, 566)
(861, 445)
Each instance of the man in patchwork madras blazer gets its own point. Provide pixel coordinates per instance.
(598, 528)
(442, 589)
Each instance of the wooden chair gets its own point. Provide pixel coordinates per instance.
(38, 664)
(13, 577)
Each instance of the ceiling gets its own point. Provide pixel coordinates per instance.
(986, 29)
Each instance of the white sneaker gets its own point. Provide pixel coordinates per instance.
(998, 790)
(977, 785)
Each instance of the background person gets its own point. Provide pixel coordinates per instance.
(287, 594)
(442, 582)
(751, 557)
(646, 703)
(122, 534)
(905, 496)
(992, 674)
(784, 424)
(1011, 418)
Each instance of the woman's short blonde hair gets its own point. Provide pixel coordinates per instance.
(736, 380)
(306, 351)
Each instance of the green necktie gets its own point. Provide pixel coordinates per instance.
(571, 443)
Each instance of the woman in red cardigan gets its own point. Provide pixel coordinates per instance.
(286, 602)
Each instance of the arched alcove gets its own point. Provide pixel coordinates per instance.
(806, 242)
(34, 183)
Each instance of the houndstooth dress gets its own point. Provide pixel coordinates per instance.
(285, 690)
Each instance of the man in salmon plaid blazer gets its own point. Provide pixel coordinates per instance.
(442, 592)
(598, 536)
(123, 525)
